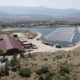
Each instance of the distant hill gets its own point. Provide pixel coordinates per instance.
(21, 10)
(78, 14)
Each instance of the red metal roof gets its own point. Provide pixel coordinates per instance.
(2, 46)
(9, 44)
(18, 45)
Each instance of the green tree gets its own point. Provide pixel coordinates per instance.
(21, 55)
(2, 71)
(15, 57)
(6, 67)
(12, 63)
(1, 52)
(18, 64)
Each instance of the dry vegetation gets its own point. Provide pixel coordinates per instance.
(51, 60)
(30, 33)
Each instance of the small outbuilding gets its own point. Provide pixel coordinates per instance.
(21, 40)
(15, 35)
(26, 44)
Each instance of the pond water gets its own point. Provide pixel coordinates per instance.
(47, 31)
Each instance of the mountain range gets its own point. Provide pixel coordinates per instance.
(21, 10)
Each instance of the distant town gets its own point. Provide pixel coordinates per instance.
(39, 22)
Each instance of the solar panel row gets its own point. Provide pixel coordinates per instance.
(61, 34)
(65, 29)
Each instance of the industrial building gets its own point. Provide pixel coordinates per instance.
(9, 45)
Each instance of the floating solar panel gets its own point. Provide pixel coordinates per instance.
(61, 34)
(65, 29)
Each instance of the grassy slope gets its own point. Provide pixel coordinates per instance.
(54, 61)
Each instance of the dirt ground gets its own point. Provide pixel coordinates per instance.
(51, 57)
(46, 48)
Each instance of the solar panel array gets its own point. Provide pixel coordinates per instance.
(61, 34)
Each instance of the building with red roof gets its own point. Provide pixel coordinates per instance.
(9, 45)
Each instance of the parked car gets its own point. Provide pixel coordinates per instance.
(3, 60)
(34, 47)
(1, 57)
(58, 46)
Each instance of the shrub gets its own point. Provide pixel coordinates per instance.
(59, 56)
(45, 59)
(51, 74)
(42, 70)
(41, 77)
(39, 71)
(29, 55)
(49, 55)
(62, 73)
(66, 61)
(66, 78)
(24, 72)
(68, 55)
(64, 69)
(48, 76)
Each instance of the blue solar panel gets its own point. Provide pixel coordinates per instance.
(61, 34)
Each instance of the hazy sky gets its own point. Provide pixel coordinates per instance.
(59, 4)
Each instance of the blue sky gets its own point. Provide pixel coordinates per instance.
(58, 4)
